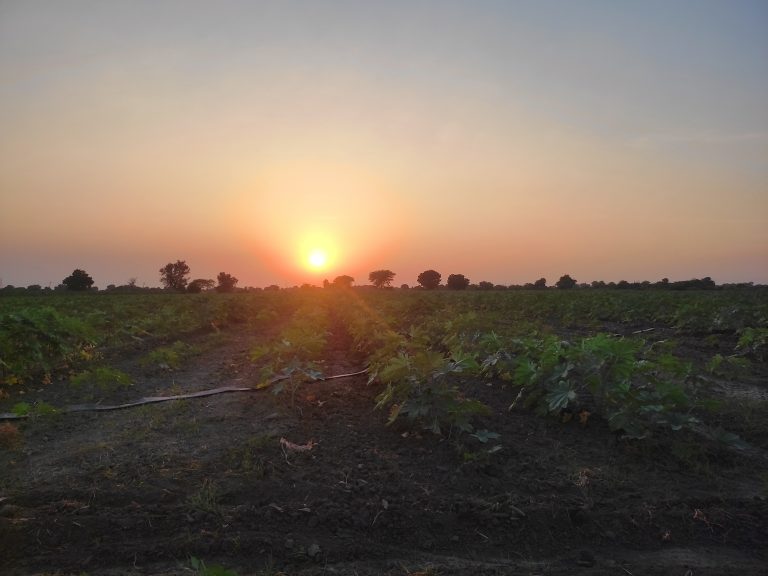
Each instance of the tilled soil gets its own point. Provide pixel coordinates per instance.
(143, 490)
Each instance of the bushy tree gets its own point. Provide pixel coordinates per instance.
(429, 279)
(540, 283)
(343, 281)
(78, 280)
(457, 282)
(565, 282)
(227, 282)
(381, 278)
(484, 285)
(174, 275)
(199, 284)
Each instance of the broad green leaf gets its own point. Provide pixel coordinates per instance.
(560, 396)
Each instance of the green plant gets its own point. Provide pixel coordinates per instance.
(245, 456)
(292, 376)
(170, 357)
(21, 409)
(103, 378)
(634, 389)
(39, 340)
(727, 366)
(754, 341)
(35, 410)
(483, 436)
(206, 499)
(419, 387)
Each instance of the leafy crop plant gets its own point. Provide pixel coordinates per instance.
(419, 387)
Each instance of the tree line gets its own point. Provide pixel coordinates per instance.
(174, 276)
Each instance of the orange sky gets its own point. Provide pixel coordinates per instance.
(502, 144)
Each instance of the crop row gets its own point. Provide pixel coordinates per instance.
(423, 357)
(39, 340)
(559, 354)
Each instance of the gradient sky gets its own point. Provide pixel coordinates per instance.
(504, 140)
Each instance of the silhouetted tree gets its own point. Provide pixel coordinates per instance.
(565, 282)
(540, 283)
(404, 287)
(381, 278)
(457, 282)
(429, 279)
(78, 280)
(343, 281)
(484, 285)
(705, 283)
(174, 275)
(227, 282)
(199, 284)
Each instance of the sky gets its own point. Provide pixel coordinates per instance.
(502, 140)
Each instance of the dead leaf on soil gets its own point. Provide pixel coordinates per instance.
(297, 447)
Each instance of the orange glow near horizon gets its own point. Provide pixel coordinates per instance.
(308, 217)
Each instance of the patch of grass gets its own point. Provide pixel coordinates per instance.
(174, 389)
(170, 357)
(215, 339)
(103, 379)
(184, 424)
(37, 410)
(246, 456)
(148, 419)
(201, 569)
(206, 499)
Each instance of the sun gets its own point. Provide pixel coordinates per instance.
(317, 259)
(316, 251)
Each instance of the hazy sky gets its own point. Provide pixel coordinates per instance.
(503, 140)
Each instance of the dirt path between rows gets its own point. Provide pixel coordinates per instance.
(140, 491)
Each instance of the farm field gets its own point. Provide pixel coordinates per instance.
(385, 432)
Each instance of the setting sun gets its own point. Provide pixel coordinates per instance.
(317, 259)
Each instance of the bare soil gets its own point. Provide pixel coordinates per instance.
(141, 491)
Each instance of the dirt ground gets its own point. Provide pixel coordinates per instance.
(141, 491)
